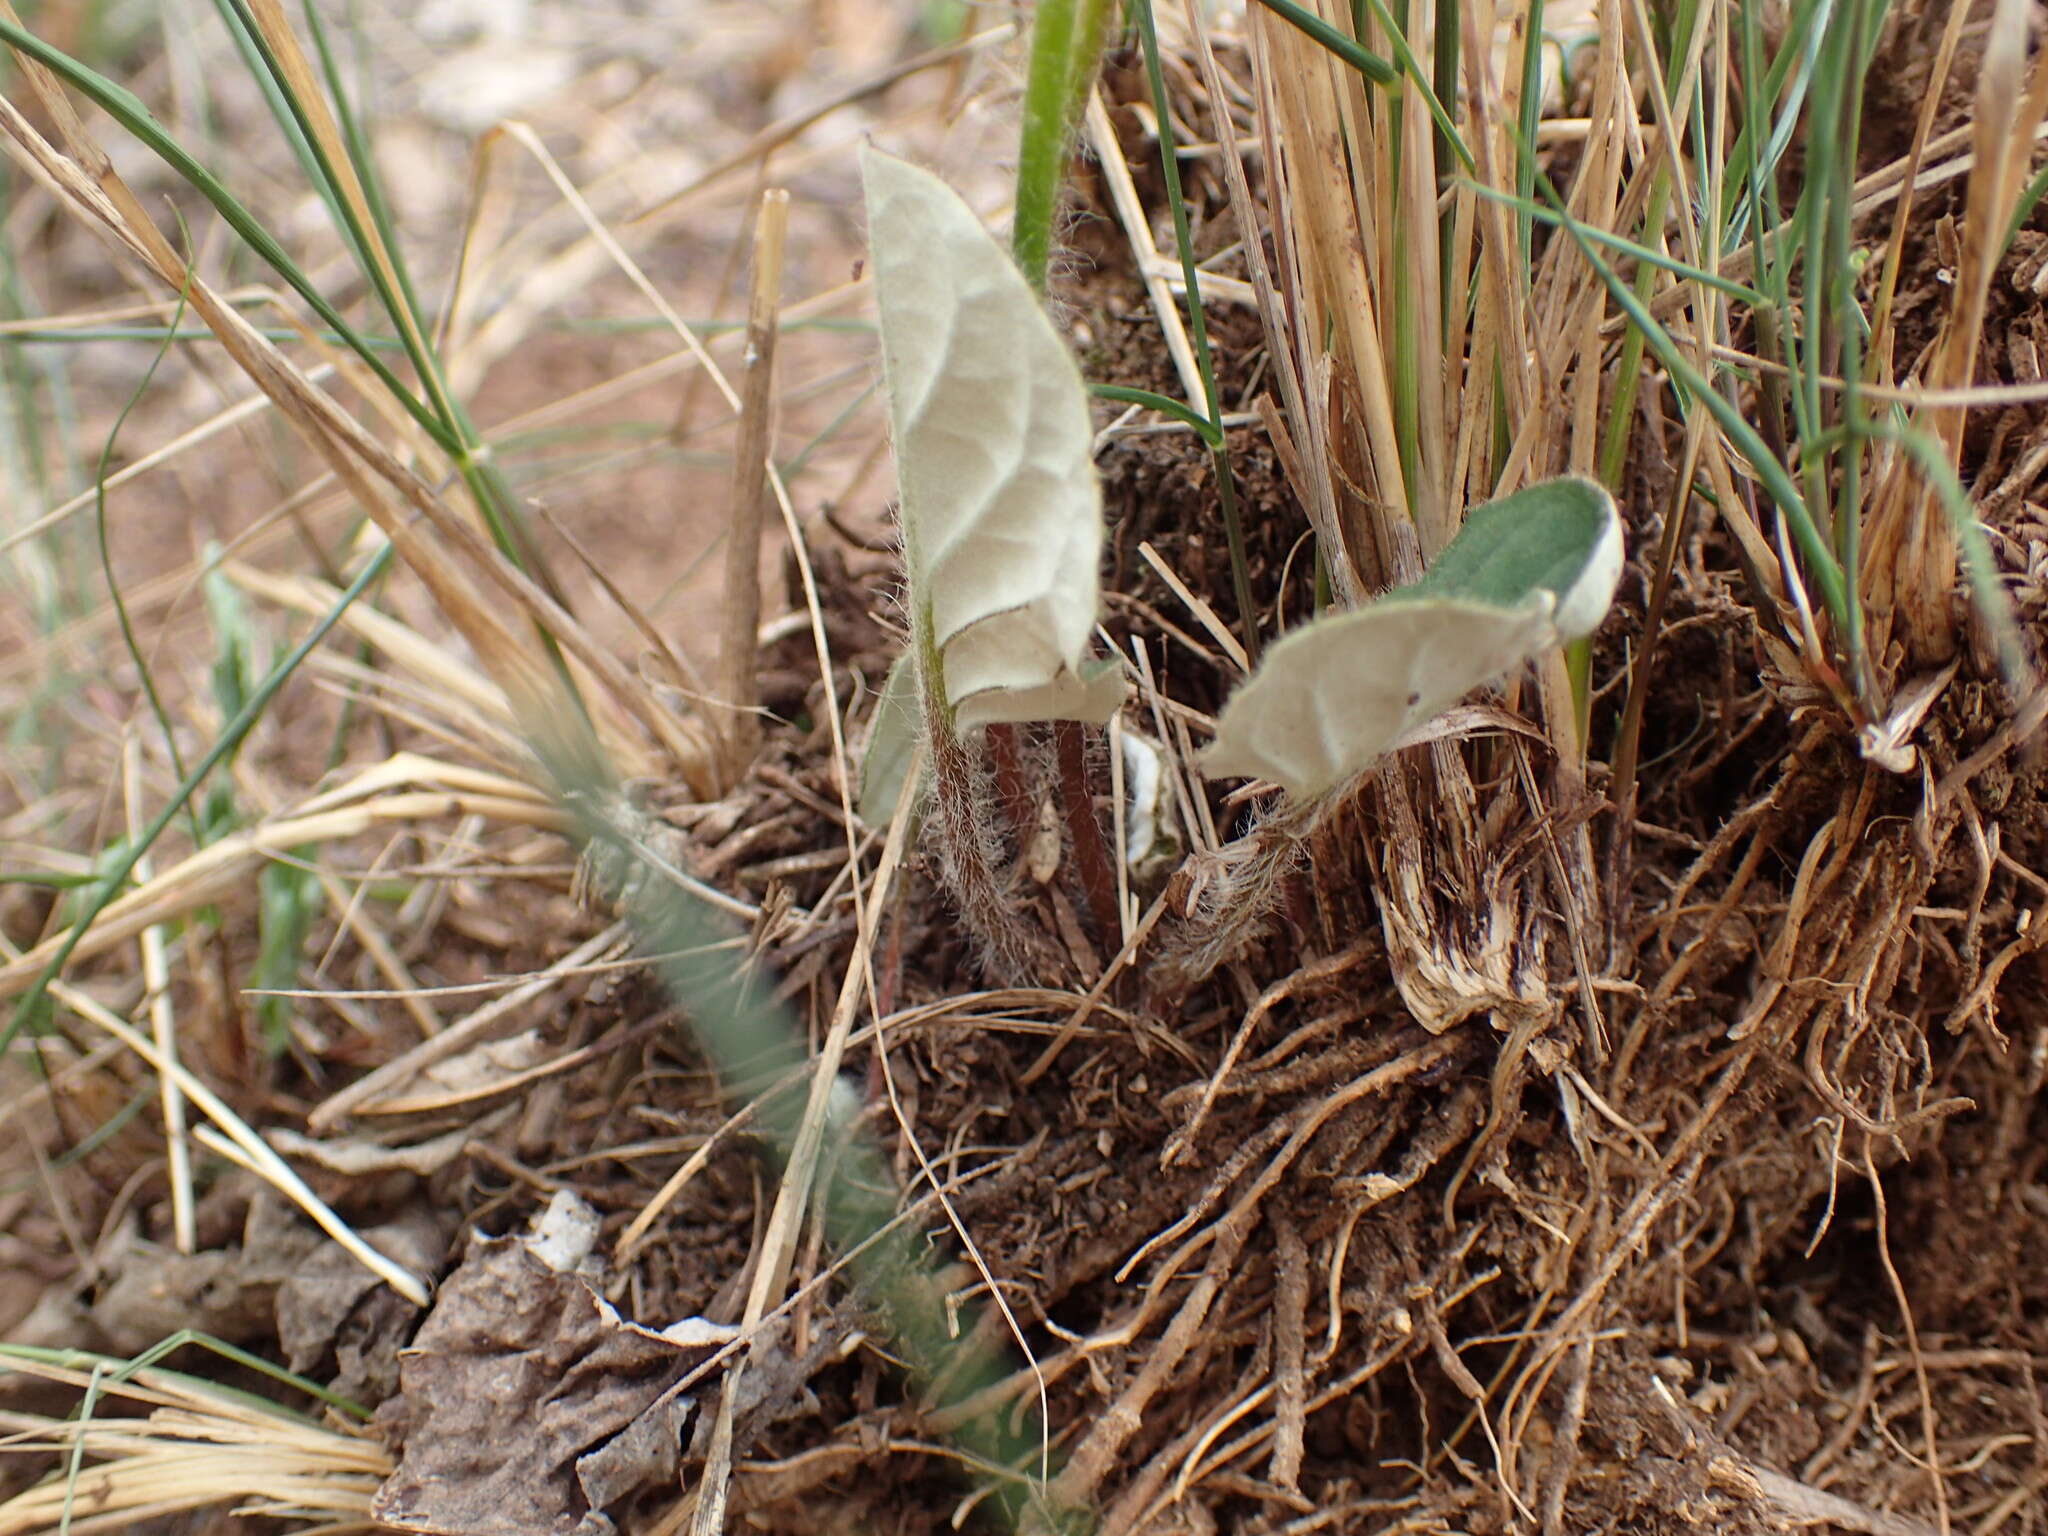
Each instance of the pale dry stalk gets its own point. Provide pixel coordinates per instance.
(1909, 565)
(1309, 471)
(740, 619)
(1317, 227)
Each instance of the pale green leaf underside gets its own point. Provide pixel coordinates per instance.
(1090, 693)
(1002, 515)
(892, 740)
(1336, 694)
(1523, 574)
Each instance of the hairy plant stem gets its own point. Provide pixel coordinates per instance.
(1066, 45)
(1084, 829)
(1066, 41)
(1013, 951)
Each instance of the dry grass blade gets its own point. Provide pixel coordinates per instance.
(414, 657)
(162, 1025)
(1314, 217)
(248, 1148)
(1911, 559)
(493, 1018)
(197, 1446)
(220, 869)
(1310, 472)
(1131, 212)
(449, 555)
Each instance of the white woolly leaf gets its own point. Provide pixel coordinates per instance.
(1002, 515)
(1523, 574)
(1091, 691)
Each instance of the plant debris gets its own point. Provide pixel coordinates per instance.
(526, 1403)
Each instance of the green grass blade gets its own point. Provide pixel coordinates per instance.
(64, 335)
(364, 164)
(35, 1000)
(2030, 199)
(136, 119)
(1419, 78)
(1621, 416)
(441, 418)
(1762, 86)
(1317, 30)
(119, 1370)
(1166, 405)
(1822, 567)
(1529, 112)
(1621, 245)
(123, 620)
(236, 26)
(390, 281)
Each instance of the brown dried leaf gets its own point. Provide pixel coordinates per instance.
(339, 1323)
(529, 1404)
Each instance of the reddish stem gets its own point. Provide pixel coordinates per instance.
(1084, 830)
(1013, 785)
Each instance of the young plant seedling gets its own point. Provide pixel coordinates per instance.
(1525, 573)
(1002, 525)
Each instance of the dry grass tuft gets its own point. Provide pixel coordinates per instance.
(151, 1444)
